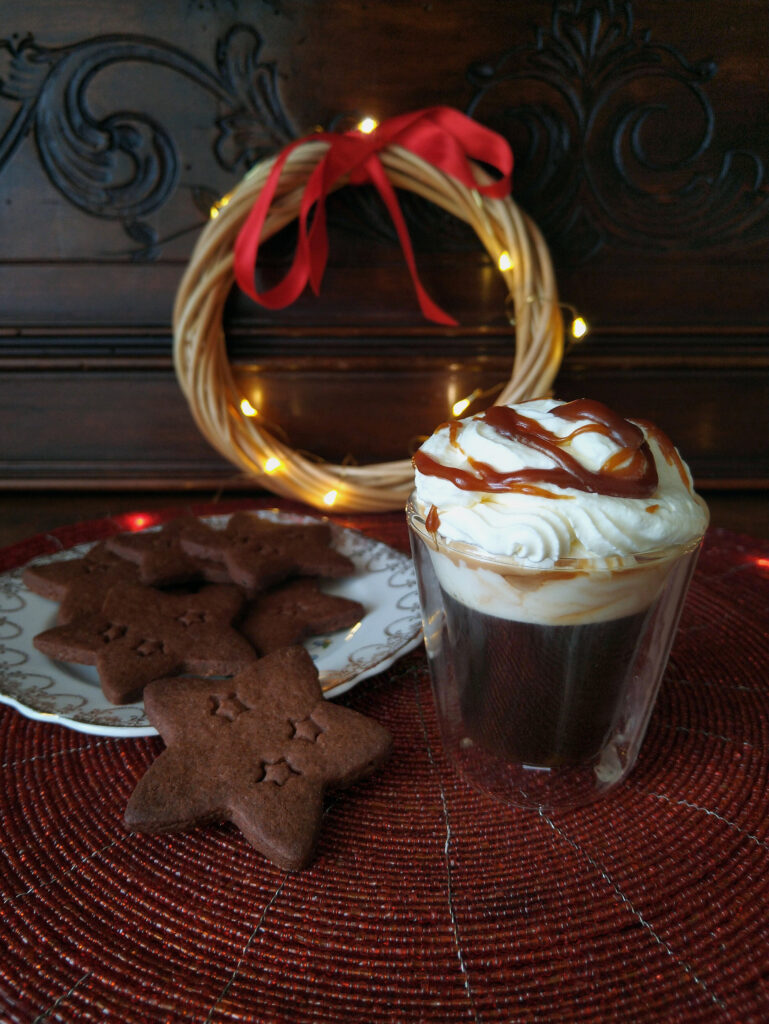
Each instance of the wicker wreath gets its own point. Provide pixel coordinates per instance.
(200, 352)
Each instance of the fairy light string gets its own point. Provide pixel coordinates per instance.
(229, 419)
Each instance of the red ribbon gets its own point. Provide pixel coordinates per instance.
(441, 136)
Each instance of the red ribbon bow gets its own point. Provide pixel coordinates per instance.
(439, 135)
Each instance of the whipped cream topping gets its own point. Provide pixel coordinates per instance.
(545, 480)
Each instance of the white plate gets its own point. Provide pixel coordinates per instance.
(70, 695)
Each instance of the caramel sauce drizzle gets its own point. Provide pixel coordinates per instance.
(630, 473)
(433, 520)
(624, 464)
(668, 450)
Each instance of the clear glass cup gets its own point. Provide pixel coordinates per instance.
(544, 679)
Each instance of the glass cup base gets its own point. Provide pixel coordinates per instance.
(538, 787)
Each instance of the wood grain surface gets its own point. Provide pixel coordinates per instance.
(640, 135)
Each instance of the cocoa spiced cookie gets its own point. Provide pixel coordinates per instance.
(259, 750)
(161, 559)
(80, 584)
(259, 553)
(141, 634)
(292, 611)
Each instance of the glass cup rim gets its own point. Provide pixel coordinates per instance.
(416, 522)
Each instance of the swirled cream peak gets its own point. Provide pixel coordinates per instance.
(545, 479)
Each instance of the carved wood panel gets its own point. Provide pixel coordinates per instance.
(641, 136)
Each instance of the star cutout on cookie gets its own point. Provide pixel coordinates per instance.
(141, 634)
(256, 770)
(228, 707)
(259, 553)
(307, 729)
(277, 772)
(160, 558)
(295, 610)
(80, 584)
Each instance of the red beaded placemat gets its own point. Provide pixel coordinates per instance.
(428, 901)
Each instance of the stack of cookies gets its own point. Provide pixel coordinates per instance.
(204, 625)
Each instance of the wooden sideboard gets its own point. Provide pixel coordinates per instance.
(641, 136)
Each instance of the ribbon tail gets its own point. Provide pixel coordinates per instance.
(309, 256)
(377, 175)
(247, 243)
(317, 244)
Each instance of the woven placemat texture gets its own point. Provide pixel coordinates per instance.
(427, 901)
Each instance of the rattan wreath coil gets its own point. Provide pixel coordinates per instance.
(200, 349)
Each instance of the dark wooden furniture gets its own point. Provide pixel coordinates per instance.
(640, 131)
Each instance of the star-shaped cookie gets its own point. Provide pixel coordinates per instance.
(292, 611)
(80, 584)
(141, 634)
(259, 553)
(161, 559)
(259, 750)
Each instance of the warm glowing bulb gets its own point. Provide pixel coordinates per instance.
(138, 520)
(247, 409)
(272, 465)
(505, 261)
(578, 327)
(459, 406)
(368, 125)
(330, 497)
(217, 207)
